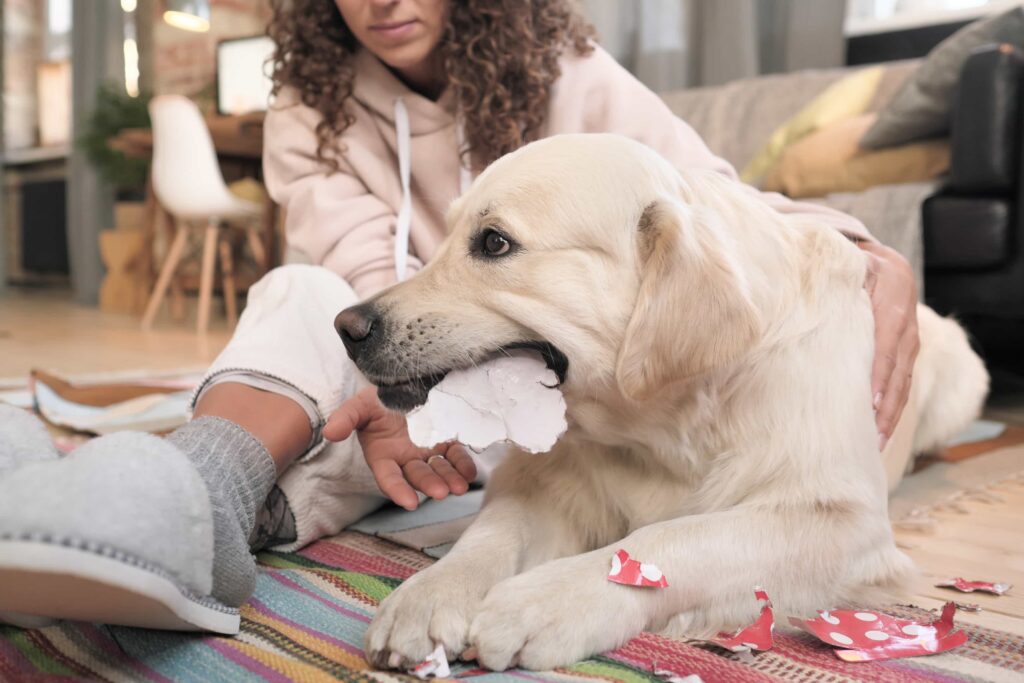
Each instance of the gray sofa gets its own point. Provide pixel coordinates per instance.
(736, 119)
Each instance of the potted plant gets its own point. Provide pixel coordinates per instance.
(124, 249)
(113, 112)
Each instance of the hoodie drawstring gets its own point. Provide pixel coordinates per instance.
(404, 220)
(465, 177)
(405, 210)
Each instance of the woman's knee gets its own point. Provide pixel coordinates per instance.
(303, 283)
(298, 275)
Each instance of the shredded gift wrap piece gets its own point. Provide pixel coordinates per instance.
(864, 636)
(757, 636)
(673, 677)
(630, 572)
(436, 665)
(968, 607)
(508, 398)
(965, 586)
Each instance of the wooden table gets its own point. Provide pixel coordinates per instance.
(234, 137)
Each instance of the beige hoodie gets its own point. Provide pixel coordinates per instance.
(354, 223)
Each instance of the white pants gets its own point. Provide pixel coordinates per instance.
(286, 335)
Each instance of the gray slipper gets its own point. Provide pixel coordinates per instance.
(23, 439)
(120, 532)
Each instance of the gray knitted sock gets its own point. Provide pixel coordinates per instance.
(238, 472)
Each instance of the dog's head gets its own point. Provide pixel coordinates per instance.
(585, 247)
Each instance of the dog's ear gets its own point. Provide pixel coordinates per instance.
(693, 313)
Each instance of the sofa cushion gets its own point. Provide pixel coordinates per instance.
(736, 118)
(846, 97)
(830, 160)
(922, 106)
(894, 77)
(966, 232)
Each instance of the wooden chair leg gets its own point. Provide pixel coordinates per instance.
(206, 275)
(154, 214)
(227, 267)
(177, 289)
(259, 250)
(166, 272)
(269, 221)
(177, 300)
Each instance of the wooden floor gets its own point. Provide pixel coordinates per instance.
(982, 541)
(46, 330)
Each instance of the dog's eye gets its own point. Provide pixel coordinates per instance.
(494, 243)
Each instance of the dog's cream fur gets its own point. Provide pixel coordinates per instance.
(719, 402)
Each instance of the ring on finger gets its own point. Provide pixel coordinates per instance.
(435, 455)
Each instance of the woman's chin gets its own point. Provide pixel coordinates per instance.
(411, 56)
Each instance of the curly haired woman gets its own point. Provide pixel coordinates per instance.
(385, 110)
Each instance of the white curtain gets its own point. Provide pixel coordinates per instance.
(672, 44)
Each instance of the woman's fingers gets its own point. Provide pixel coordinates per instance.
(889, 282)
(891, 323)
(452, 479)
(882, 368)
(423, 478)
(355, 413)
(343, 421)
(392, 483)
(891, 407)
(460, 458)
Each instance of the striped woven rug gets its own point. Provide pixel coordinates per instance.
(307, 618)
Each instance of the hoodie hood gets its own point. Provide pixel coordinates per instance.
(376, 88)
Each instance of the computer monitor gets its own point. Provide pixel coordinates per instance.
(243, 84)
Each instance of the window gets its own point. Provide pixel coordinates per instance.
(57, 40)
(879, 16)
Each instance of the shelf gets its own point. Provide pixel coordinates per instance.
(35, 155)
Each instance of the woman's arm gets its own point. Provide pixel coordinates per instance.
(329, 216)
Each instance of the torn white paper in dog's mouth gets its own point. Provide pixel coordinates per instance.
(513, 398)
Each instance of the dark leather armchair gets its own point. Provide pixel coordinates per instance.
(974, 226)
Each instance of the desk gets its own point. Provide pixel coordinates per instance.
(234, 137)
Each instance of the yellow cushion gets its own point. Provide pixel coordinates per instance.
(849, 96)
(831, 161)
(248, 188)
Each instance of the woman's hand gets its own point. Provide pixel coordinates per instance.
(398, 465)
(890, 283)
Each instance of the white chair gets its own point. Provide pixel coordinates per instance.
(188, 183)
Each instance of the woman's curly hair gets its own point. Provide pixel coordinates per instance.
(500, 57)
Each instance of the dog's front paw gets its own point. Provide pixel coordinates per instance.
(552, 616)
(433, 607)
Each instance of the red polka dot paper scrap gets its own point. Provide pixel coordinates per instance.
(757, 636)
(965, 586)
(630, 572)
(863, 636)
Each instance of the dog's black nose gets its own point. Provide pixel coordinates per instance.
(356, 326)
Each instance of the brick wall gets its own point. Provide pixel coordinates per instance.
(185, 63)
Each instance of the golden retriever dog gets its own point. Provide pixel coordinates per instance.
(715, 358)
